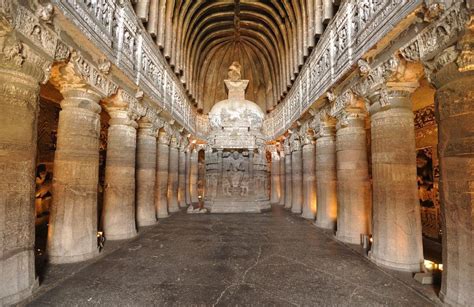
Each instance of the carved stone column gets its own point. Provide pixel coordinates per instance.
(72, 233)
(118, 216)
(193, 176)
(275, 176)
(309, 178)
(162, 164)
(396, 209)
(20, 73)
(296, 175)
(282, 178)
(353, 185)
(146, 173)
(182, 174)
(288, 184)
(326, 175)
(173, 176)
(452, 74)
(187, 187)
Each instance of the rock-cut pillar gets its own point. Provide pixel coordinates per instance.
(146, 173)
(275, 178)
(326, 176)
(118, 216)
(454, 103)
(397, 241)
(187, 182)
(182, 177)
(353, 185)
(282, 179)
(296, 179)
(193, 176)
(72, 232)
(19, 90)
(173, 176)
(309, 182)
(161, 185)
(288, 184)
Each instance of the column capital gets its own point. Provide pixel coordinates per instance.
(295, 141)
(327, 125)
(351, 117)
(164, 137)
(124, 109)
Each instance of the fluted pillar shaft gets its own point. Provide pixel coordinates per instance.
(187, 188)
(288, 182)
(309, 182)
(396, 210)
(193, 176)
(282, 179)
(275, 178)
(353, 185)
(161, 185)
(173, 176)
(326, 177)
(297, 180)
(19, 89)
(146, 174)
(72, 233)
(181, 177)
(118, 216)
(454, 103)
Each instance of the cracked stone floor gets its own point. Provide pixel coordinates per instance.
(274, 258)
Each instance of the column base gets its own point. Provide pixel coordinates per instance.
(174, 210)
(325, 225)
(16, 298)
(163, 215)
(147, 223)
(295, 211)
(308, 215)
(121, 236)
(348, 239)
(404, 267)
(72, 259)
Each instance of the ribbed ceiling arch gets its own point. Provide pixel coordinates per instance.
(270, 38)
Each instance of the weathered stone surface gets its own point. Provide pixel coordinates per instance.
(309, 182)
(181, 178)
(73, 221)
(173, 176)
(275, 178)
(19, 88)
(161, 185)
(146, 174)
(396, 211)
(296, 181)
(326, 178)
(288, 182)
(187, 188)
(282, 179)
(353, 186)
(118, 215)
(193, 176)
(455, 113)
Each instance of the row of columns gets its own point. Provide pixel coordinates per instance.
(142, 173)
(331, 173)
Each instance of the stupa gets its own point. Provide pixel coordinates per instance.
(236, 166)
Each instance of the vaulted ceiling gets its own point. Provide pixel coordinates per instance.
(270, 39)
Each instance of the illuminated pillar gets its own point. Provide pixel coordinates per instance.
(309, 179)
(118, 215)
(182, 175)
(146, 173)
(282, 179)
(288, 184)
(296, 176)
(396, 208)
(72, 231)
(193, 176)
(173, 176)
(326, 175)
(275, 176)
(162, 164)
(353, 185)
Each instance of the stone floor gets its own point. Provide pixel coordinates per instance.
(273, 258)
